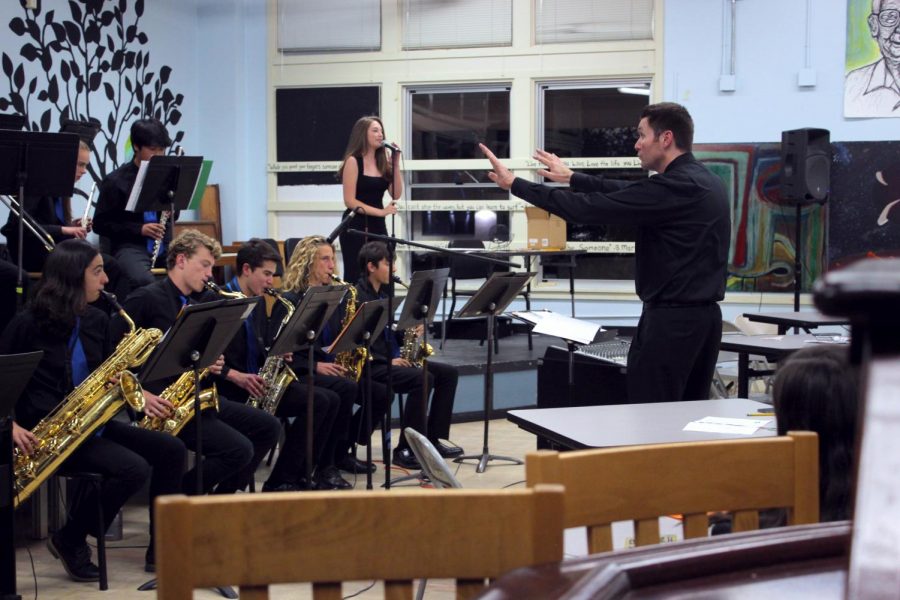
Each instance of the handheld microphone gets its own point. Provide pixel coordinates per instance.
(390, 146)
(341, 226)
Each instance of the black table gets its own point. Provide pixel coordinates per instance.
(805, 320)
(773, 347)
(580, 427)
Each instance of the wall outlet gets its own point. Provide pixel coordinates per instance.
(727, 83)
(806, 78)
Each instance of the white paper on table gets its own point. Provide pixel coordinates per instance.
(567, 328)
(138, 184)
(727, 425)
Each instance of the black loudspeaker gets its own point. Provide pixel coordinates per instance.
(806, 165)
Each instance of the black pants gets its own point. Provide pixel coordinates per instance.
(442, 380)
(338, 443)
(673, 354)
(290, 466)
(124, 455)
(259, 427)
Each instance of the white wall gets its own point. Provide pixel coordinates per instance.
(770, 51)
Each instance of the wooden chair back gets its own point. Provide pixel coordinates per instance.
(642, 483)
(254, 540)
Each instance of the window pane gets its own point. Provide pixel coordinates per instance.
(333, 26)
(559, 21)
(450, 124)
(457, 24)
(461, 224)
(313, 124)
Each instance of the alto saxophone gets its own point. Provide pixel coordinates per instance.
(86, 408)
(354, 360)
(276, 373)
(412, 349)
(181, 393)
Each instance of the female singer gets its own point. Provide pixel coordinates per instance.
(73, 337)
(366, 174)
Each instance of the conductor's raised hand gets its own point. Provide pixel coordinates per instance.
(500, 175)
(556, 170)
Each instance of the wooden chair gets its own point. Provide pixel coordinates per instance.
(642, 483)
(254, 540)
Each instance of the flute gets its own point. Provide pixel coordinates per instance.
(88, 206)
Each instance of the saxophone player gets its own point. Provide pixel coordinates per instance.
(312, 264)
(132, 235)
(374, 262)
(73, 337)
(237, 437)
(256, 265)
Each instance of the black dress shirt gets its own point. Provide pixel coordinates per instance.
(52, 380)
(683, 219)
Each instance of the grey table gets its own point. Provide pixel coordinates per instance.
(580, 427)
(773, 347)
(805, 320)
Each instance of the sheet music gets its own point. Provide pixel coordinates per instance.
(727, 425)
(138, 184)
(556, 325)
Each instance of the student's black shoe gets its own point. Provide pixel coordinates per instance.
(150, 560)
(76, 560)
(281, 487)
(351, 464)
(404, 457)
(330, 478)
(445, 450)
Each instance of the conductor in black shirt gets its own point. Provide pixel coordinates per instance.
(681, 250)
(132, 235)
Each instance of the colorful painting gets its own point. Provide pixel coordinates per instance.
(763, 239)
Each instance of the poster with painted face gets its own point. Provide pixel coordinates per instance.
(872, 64)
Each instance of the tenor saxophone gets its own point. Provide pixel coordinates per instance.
(86, 408)
(413, 349)
(354, 360)
(276, 373)
(181, 393)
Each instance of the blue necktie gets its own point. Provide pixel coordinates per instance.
(78, 359)
(58, 207)
(150, 216)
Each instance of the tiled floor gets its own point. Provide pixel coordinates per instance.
(125, 557)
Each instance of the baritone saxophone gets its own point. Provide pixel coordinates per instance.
(87, 408)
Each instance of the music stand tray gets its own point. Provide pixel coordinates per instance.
(15, 371)
(490, 300)
(425, 289)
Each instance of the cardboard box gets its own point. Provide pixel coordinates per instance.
(545, 231)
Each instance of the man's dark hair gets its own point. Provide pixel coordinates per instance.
(254, 253)
(668, 116)
(372, 252)
(149, 132)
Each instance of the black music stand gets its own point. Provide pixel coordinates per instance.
(35, 164)
(168, 183)
(419, 307)
(301, 331)
(15, 371)
(490, 300)
(85, 130)
(196, 339)
(370, 320)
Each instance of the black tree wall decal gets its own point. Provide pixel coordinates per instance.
(68, 63)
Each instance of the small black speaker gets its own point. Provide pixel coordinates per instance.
(806, 165)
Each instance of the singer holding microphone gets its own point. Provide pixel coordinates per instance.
(366, 173)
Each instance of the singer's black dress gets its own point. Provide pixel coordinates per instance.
(369, 190)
